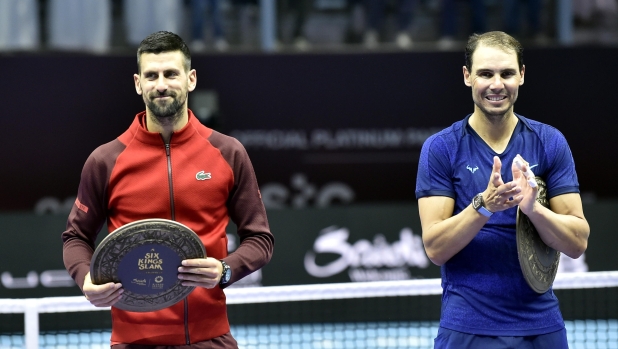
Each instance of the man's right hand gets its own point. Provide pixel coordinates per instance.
(501, 196)
(104, 295)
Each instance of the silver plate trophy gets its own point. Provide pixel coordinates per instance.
(538, 262)
(144, 256)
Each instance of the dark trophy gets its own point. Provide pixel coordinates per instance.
(538, 262)
(144, 256)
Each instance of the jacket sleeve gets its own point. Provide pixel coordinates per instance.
(88, 214)
(247, 211)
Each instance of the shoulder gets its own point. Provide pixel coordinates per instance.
(230, 149)
(107, 151)
(447, 138)
(216, 138)
(102, 160)
(224, 142)
(544, 131)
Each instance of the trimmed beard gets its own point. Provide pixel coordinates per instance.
(166, 115)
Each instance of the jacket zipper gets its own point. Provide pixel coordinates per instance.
(187, 338)
(169, 180)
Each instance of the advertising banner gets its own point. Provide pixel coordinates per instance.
(341, 244)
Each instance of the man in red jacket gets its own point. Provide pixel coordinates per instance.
(168, 165)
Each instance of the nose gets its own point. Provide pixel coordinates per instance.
(161, 84)
(497, 82)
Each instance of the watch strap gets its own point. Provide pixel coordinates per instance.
(485, 212)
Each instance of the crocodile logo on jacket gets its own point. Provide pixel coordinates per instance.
(202, 176)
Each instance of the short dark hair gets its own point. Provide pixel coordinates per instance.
(497, 39)
(163, 41)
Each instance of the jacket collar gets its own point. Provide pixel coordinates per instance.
(180, 136)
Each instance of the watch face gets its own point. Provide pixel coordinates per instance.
(226, 275)
(477, 202)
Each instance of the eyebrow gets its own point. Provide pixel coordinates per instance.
(508, 70)
(154, 71)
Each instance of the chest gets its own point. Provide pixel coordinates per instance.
(155, 180)
(474, 164)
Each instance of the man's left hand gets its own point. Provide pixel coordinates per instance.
(528, 192)
(200, 272)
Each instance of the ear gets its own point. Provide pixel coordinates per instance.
(523, 71)
(138, 86)
(466, 75)
(192, 79)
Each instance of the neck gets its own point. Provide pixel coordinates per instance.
(166, 125)
(495, 130)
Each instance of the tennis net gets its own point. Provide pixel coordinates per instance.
(389, 314)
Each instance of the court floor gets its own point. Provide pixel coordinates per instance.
(582, 334)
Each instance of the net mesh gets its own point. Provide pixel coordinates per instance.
(390, 314)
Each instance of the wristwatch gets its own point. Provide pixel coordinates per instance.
(479, 204)
(226, 274)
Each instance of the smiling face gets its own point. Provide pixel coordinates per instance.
(495, 79)
(164, 85)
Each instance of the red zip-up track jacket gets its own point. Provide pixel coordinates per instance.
(201, 179)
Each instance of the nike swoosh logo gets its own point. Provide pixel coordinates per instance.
(533, 166)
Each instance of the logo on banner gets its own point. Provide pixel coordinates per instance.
(366, 260)
(334, 139)
(304, 194)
